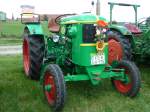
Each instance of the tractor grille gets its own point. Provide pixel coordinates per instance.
(89, 31)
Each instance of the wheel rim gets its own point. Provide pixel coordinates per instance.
(115, 50)
(121, 86)
(50, 95)
(26, 60)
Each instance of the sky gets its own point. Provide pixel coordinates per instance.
(76, 6)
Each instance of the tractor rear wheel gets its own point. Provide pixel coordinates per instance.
(54, 87)
(33, 53)
(119, 47)
(130, 87)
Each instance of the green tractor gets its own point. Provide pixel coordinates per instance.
(133, 38)
(76, 50)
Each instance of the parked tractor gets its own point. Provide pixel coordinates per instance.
(133, 38)
(77, 49)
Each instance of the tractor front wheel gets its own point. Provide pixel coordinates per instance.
(130, 87)
(54, 87)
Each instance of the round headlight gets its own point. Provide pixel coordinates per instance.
(55, 38)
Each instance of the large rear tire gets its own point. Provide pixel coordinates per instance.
(33, 53)
(132, 86)
(54, 87)
(119, 47)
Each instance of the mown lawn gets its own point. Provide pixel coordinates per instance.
(11, 32)
(16, 28)
(11, 29)
(10, 41)
(19, 94)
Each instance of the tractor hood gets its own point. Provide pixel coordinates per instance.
(82, 18)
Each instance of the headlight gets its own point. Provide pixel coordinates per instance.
(55, 38)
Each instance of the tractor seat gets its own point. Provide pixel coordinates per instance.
(53, 26)
(133, 28)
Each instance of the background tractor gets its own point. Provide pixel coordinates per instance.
(133, 38)
(77, 49)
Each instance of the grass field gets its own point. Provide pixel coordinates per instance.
(19, 94)
(11, 32)
(15, 28)
(11, 29)
(10, 41)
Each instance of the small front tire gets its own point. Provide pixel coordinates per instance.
(132, 86)
(54, 87)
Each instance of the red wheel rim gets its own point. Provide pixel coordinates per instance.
(26, 60)
(115, 51)
(50, 95)
(122, 86)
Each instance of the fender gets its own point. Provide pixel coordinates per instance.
(124, 31)
(34, 28)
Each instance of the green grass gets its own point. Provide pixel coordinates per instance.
(11, 29)
(11, 32)
(10, 41)
(19, 94)
(15, 28)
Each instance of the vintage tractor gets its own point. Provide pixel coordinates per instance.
(133, 38)
(76, 50)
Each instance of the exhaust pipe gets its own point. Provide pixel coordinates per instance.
(98, 8)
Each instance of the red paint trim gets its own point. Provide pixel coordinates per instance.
(26, 60)
(50, 95)
(121, 86)
(133, 28)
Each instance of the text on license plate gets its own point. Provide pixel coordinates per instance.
(97, 59)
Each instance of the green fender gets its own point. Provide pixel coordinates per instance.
(34, 28)
(124, 31)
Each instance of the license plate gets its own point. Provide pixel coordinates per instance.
(97, 59)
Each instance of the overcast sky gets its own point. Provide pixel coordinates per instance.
(76, 6)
